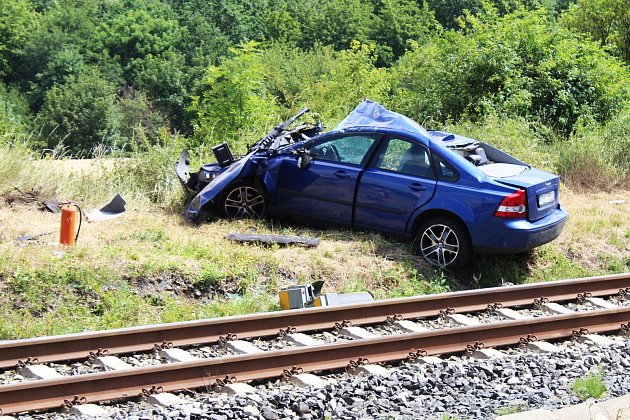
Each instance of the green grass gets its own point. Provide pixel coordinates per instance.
(590, 386)
(512, 408)
(127, 272)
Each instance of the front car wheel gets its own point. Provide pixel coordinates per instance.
(243, 201)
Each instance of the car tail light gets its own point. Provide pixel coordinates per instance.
(513, 206)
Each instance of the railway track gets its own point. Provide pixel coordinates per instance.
(126, 383)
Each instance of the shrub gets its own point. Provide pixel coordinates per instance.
(81, 113)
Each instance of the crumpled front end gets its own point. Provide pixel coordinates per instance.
(201, 205)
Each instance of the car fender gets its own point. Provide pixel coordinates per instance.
(239, 169)
(445, 205)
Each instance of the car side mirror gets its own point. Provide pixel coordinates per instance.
(304, 158)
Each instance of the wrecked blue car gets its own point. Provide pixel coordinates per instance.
(379, 170)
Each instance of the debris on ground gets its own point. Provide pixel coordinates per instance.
(309, 295)
(19, 197)
(273, 239)
(27, 237)
(52, 204)
(32, 197)
(111, 210)
(616, 201)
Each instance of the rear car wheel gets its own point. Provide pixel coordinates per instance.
(442, 242)
(243, 200)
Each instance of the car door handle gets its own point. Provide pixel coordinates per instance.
(417, 187)
(341, 174)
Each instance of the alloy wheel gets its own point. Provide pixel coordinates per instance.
(244, 201)
(439, 245)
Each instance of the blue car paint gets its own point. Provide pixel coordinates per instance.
(320, 193)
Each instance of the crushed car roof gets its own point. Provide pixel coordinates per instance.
(372, 114)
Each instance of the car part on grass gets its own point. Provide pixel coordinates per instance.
(27, 237)
(273, 239)
(52, 204)
(379, 170)
(309, 296)
(111, 210)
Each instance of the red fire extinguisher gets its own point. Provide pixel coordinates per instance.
(68, 220)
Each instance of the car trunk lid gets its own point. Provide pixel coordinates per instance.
(541, 188)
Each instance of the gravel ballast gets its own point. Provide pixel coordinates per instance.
(459, 386)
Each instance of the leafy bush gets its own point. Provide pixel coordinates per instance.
(81, 113)
(607, 21)
(521, 64)
(234, 103)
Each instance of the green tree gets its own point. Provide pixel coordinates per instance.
(17, 20)
(14, 111)
(521, 64)
(329, 82)
(335, 23)
(234, 103)
(606, 21)
(57, 48)
(145, 41)
(399, 23)
(81, 114)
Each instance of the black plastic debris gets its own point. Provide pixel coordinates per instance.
(52, 204)
(274, 239)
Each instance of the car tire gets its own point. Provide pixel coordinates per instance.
(243, 200)
(443, 242)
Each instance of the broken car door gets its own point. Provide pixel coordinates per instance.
(324, 189)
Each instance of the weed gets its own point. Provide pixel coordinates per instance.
(512, 408)
(590, 386)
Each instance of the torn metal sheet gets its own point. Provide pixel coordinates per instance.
(274, 239)
(111, 210)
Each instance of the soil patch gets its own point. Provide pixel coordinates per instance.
(175, 283)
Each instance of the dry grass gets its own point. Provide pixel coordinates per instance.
(144, 267)
(597, 229)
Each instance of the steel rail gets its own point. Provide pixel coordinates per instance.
(127, 340)
(130, 383)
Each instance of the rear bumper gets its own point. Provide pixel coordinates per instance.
(508, 236)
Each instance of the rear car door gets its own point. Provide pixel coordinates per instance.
(324, 190)
(398, 180)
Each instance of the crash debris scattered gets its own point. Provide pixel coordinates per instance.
(111, 210)
(273, 239)
(310, 295)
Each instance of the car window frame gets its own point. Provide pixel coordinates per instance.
(439, 176)
(368, 154)
(381, 149)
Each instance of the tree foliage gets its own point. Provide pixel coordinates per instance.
(17, 19)
(81, 113)
(522, 64)
(606, 21)
(87, 72)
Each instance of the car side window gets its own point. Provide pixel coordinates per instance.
(445, 170)
(405, 156)
(348, 149)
